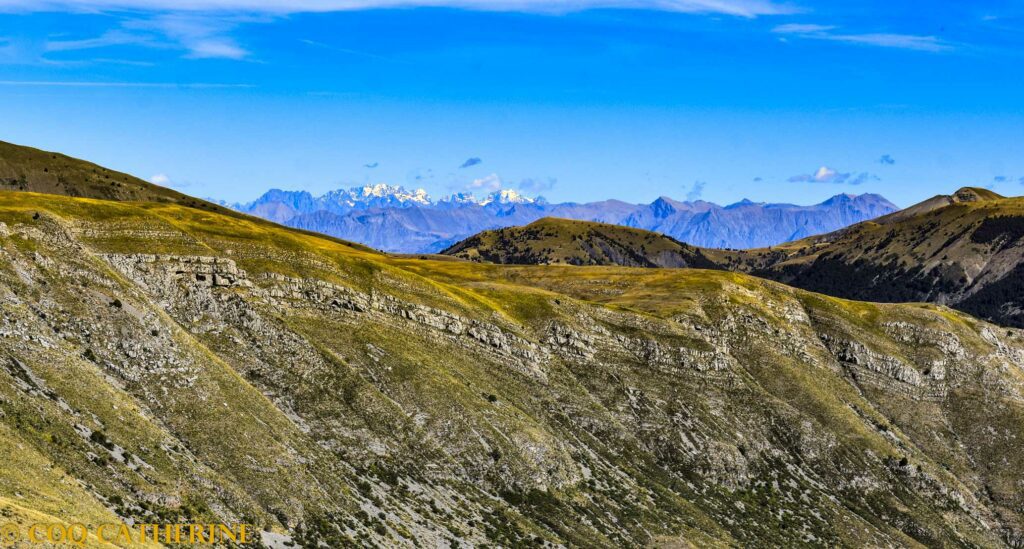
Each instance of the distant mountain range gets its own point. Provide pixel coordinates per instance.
(394, 219)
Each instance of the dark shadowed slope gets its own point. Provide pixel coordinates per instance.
(965, 250)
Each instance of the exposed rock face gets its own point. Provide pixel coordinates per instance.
(856, 354)
(161, 272)
(164, 276)
(336, 396)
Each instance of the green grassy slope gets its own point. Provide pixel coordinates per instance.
(172, 363)
(564, 241)
(33, 170)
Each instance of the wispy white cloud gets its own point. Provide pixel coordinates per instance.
(165, 180)
(203, 28)
(825, 174)
(216, 48)
(201, 36)
(800, 28)
(37, 52)
(536, 185)
(885, 40)
(117, 37)
(125, 62)
(903, 41)
(489, 183)
(739, 8)
(89, 84)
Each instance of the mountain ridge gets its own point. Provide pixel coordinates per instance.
(964, 250)
(29, 169)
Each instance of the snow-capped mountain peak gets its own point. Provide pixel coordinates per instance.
(506, 196)
(380, 195)
(392, 192)
(460, 198)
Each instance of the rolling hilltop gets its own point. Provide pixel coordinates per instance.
(167, 363)
(564, 241)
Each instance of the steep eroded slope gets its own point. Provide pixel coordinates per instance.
(175, 364)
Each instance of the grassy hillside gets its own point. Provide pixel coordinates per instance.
(552, 241)
(163, 362)
(33, 170)
(27, 169)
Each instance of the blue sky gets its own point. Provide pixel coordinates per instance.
(573, 99)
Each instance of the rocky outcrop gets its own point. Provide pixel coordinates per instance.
(164, 274)
(857, 354)
(158, 270)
